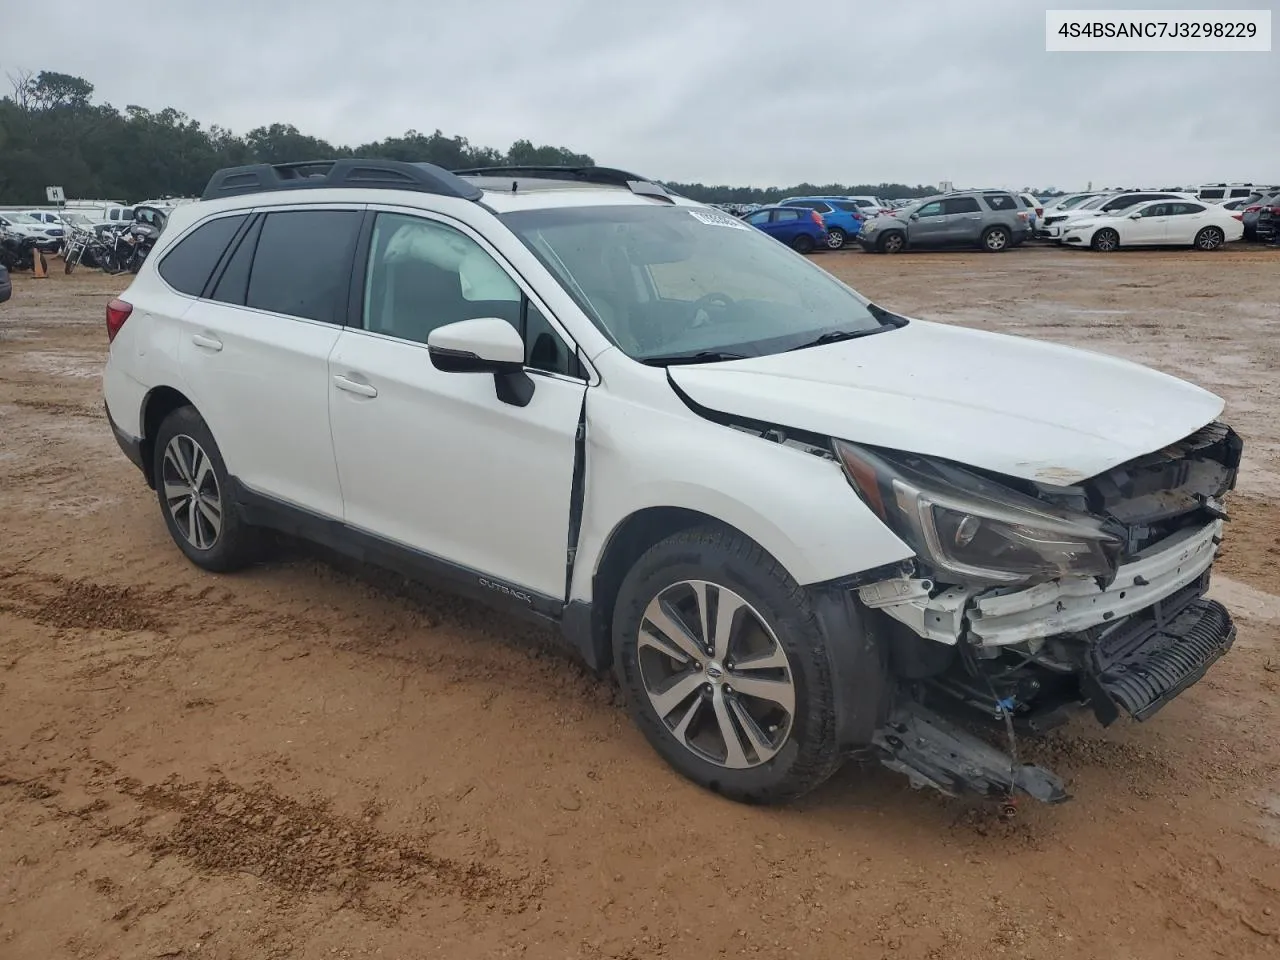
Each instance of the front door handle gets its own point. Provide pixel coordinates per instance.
(209, 343)
(355, 386)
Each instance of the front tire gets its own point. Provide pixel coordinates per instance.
(1210, 238)
(1105, 241)
(892, 242)
(194, 494)
(803, 244)
(744, 706)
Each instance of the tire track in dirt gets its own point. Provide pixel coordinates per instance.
(299, 847)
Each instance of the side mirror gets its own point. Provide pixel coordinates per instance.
(484, 345)
(915, 216)
(1135, 216)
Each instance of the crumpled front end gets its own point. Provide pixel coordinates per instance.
(1125, 645)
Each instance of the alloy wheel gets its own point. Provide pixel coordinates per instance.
(191, 492)
(996, 240)
(716, 674)
(1209, 239)
(835, 239)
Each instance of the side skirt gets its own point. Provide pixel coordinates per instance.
(264, 511)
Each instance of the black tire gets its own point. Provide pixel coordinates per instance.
(235, 544)
(809, 754)
(895, 241)
(1210, 238)
(836, 238)
(995, 239)
(68, 266)
(1105, 240)
(803, 244)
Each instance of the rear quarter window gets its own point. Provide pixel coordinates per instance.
(302, 265)
(1000, 201)
(188, 266)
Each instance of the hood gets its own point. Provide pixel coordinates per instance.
(1020, 407)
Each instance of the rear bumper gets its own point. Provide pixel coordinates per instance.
(130, 446)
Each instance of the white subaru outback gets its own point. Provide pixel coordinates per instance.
(797, 525)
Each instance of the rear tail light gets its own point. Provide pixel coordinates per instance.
(859, 216)
(117, 313)
(817, 217)
(1237, 216)
(1022, 214)
(1254, 209)
(1039, 211)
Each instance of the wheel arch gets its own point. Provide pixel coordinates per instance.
(589, 625)
(156, 405)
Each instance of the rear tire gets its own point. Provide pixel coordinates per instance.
(803, 244)
(690, 704)
(193, 489)
(1210, 238)
(835, 238)
(995, 239)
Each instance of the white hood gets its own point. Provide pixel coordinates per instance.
(1016, 406)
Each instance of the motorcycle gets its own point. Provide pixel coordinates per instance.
(18, 252)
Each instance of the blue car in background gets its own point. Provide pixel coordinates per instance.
(799, 228)
(843, 217)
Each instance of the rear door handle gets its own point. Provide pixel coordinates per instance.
(209, 343)
(355, 386)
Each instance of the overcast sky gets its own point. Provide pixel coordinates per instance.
(759, 92)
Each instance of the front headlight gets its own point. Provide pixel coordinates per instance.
(972, 529)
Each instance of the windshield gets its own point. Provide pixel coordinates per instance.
(1074, 202)
(1094, 203)
(672, 281)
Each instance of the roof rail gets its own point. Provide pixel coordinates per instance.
(316, 174)
(608, 176)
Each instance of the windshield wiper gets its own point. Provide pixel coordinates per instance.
(703, 356)
(835, 336)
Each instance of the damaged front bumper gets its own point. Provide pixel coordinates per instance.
(989, 617)
(1125, 649)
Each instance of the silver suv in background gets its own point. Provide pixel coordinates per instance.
(992, 220)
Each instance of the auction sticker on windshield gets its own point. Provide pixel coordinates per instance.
(718, 219)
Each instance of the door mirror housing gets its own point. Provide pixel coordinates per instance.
(915, 216)
(1135, 216)
(484, 345)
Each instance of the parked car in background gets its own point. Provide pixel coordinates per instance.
(6, 285)
(843, 218)
(1205, 226)
(46, 235)
(1251, 213)
(1221, 192)
(872, 206)
(1035, 209)
(992, 220)
(800, 228)
(1114, 203)
(1266, 220)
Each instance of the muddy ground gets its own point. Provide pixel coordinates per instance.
(306, 761)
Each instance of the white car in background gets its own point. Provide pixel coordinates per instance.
(1205, 226)
(1108, 205)
(870, 206)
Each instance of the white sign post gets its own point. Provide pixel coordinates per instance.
(55, 195)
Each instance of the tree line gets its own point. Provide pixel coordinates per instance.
(52, 132)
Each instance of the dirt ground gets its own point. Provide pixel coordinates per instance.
(306, 760)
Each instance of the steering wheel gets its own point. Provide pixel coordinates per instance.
(703, 305)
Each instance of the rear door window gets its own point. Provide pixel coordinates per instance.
(1212, 194)
(780, 216)
(302, 265)
(188, 266)
(954, 205)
